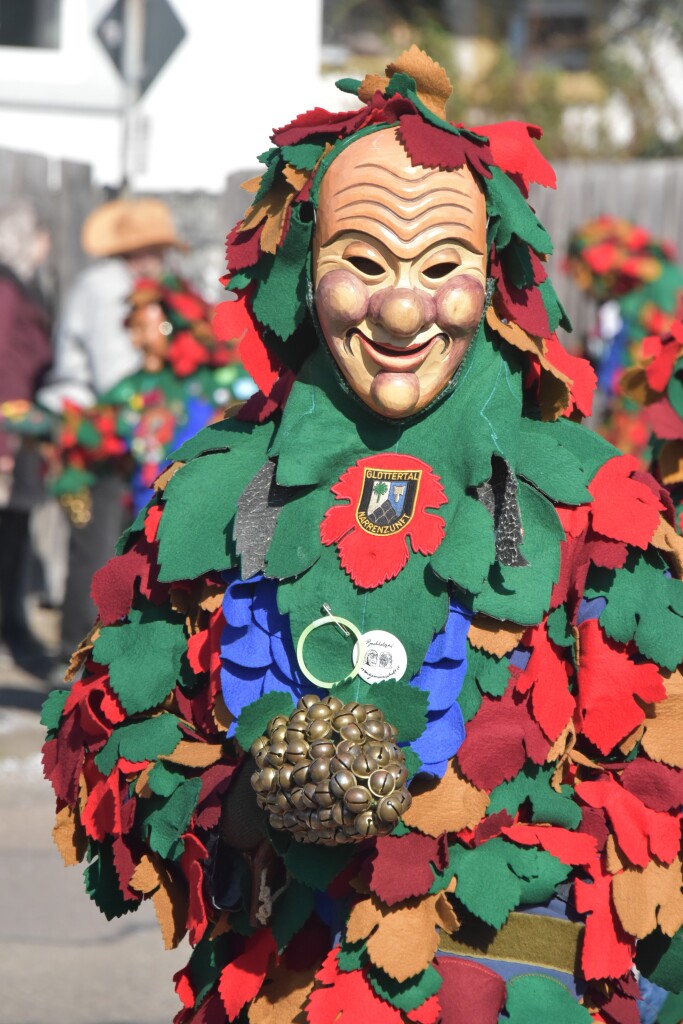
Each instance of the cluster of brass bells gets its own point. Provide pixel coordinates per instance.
(78, 506)
(331, 772)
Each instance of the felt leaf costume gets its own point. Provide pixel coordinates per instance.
(527, 575)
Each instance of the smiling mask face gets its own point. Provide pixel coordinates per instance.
(400, 272)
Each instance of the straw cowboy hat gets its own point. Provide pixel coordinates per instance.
(124, 225)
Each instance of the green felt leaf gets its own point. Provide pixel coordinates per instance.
(102, 884)
(164, 780)
(539, 873)
(459, 559)
(559, 627)
(200, 501)
(660, 959)
(518, 265)
(557, 315)
(242, 279)
(71, 480)
(254, 717)
(352, 957)
(533, 784)
(511, 214)
(296, 541)
(653, 623)
(486, 884)
(53, 706)
(672, 1011)
(522, 593)
(492, 674)
(316, 866)
(304, 155)
(164, 819)
(206, 962)
(280, 301)
(553, 468)
(413, 765)
(135, 527)
(273, 161)
(674, 389)
(403, 705)
(140, 741)
(405, 995)
(536, 997)
(144, 657)
(216, 437)
(470, 696)
(291, 911)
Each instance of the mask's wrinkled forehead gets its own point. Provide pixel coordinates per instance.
(372, 187)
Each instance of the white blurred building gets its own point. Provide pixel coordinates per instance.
(241, 69)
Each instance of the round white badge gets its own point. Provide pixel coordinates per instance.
(385, 657)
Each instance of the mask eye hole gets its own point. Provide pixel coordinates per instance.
(439, 270)
(366, 266)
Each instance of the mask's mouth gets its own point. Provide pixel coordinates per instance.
(394, 358)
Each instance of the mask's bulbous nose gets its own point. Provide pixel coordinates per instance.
(401, 311)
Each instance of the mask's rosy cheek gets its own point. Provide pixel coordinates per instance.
(459, 304)
(342, 297)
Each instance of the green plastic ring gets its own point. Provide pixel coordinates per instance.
(330, 620)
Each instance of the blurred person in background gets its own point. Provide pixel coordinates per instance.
(93, 351)
(25, 355)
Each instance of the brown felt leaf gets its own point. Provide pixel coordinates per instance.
(69, 836)
(221, 925)
(627, 744)
(271, 235)
(667, 540)
(650, 896)
(170, 904)
(402, 940)
(494, 637)
(162, 480)
(555, 387)
(221, 715)
(370, 85)
(251, 185)
(664, 724)
(81, 653)
(296, 177)
(142, 782)
(634, 385)
(282, 997)
(614, 858)
(211, 596)
(671, 463)
(450, 805)
(194, 755)
(145, 878)
(83, 793)
(433, 84)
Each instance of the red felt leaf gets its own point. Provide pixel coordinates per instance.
(243, 248)
(102, 813)
(234, 321)
(152, 520)
(608, 950)
(186, 354)
(499, 739)
(369, 551)
(524, 306)
(610, 686)
(389, 879)
(260, 407)
(569, 847)
(547, 677)
(430, 146)
(124, 865)
(664, 421)
(215, 781)
(241, 980)
(346, 998)
(199, 651)
(579, 371)
(192, 860)
(657, 785)
(640, 832)
(428, 1013)
(513, 150)
(623, 509)
(183, 987)
(579, 551)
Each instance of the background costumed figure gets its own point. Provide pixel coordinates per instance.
(383, 704)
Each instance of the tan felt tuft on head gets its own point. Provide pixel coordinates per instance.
(433, 84)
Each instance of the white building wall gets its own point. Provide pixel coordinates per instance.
(241, 70)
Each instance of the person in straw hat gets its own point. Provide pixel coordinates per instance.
(93, 351)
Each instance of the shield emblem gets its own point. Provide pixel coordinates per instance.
(387, 500)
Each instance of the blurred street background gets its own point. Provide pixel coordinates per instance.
(174, 99)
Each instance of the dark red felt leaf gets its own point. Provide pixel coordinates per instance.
(322, 122)
(523, 306)
(215, 781)
(430, 146)
(619, 1004)
(611, 687)
(491, 826)
(640, 832)
(546, 675)
(63, 759)
(192, 863)
(664, 421)
(579, 551)
(234, 321)
(241, 980)
(623, 509)
(499, 739)
(101, 815)
(260, 407)
(514, 151)
(594, 823)
(389, 879)
(113, 586)
(124, 865)
(346, 998)
(470, 991)
(308, 947)
(242, 248)
(607, 951)
(657, 785)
